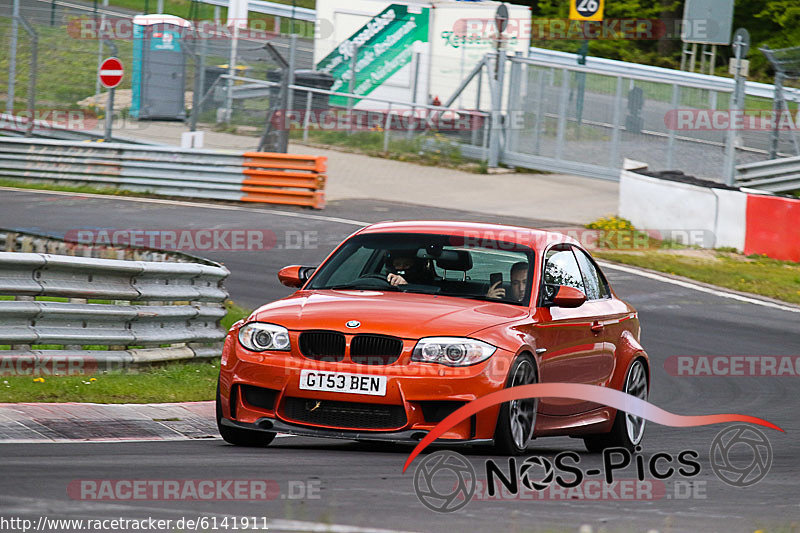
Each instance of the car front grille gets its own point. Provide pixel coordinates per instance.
(375, 349)
(322, 345)
(350, 415)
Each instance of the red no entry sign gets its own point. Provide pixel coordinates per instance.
(111, 72)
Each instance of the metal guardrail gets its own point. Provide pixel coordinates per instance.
(214, 174)
(151, 304)
(599, 65)
(775, 175)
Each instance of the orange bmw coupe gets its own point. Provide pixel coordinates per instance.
(405, 322)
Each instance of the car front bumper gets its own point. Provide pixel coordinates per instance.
(411, 386)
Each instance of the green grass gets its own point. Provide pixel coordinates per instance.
(173, 382)
(59, 186)
(67, 66)
(754, 274)
(431, 150)
(169, 382)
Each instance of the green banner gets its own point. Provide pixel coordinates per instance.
(384, 46)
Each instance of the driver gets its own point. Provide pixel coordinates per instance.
(405, 267)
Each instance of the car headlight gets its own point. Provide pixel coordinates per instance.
(259, 337)
(451, 351)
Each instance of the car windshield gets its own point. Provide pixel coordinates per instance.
(431, 264)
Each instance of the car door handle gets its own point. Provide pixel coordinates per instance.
(540, 351)
(597, 327)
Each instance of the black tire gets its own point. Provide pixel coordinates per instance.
(505, 442)
(239, 436)
(619, 436)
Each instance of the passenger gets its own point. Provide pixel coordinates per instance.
(405, 267)
(519, 283)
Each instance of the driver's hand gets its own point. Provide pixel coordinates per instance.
(496, 292)
(396, 279)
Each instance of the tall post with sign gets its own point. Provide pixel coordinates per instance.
(110, 75)
(583, 11)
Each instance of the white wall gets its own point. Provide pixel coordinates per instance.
(656, 204)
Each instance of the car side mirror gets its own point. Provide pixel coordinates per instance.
(295, 275)
(568, 297)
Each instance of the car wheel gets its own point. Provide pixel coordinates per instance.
(239, 436)
(628, 430)
(517, 418)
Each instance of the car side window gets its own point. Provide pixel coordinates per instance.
(595, 286)
(591, 278)
(561, 268)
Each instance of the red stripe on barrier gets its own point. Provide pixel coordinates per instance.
(773, 227)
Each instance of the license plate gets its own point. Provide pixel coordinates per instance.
(342, 382)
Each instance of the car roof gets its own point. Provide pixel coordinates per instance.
(535, 238)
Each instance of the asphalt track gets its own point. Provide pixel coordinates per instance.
(362, 485)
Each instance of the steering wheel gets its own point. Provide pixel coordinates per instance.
(378, 277)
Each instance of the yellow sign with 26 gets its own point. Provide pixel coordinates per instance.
(586, 9)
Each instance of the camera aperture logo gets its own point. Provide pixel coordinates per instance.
(732, 463)
(442, 495)
(446, 481)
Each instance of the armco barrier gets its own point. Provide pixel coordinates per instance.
(774, 175)
(144, 311)
(214, 174)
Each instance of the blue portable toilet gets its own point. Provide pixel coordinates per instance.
(159, 67)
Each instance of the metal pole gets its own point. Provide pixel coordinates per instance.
(231, 73)
(53, 12)
(777, 109)
(351, 87)
(562, 113)
(109, 115)
(386, 127)
(100, 30)
(160, 6)
(288, 102)
(199, 79)
(729, 171)
(676, 96)
(414, 85)
(290, 73)
(12, 63)
(497, 112)
(617, 118)
(33, 73)
(309, 98)
(512, 107)
(474, 119)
